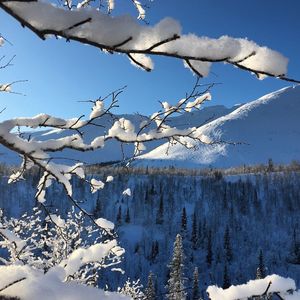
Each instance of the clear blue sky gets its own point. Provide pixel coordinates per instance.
(59, 73)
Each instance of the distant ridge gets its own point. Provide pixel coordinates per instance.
(268, 128)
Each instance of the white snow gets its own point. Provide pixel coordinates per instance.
(97, 110)
(253, 287)
(11, 237)
(38, 286)
(103, 223)
(108, 31)
(57, 220)
(127, 192)
(96, 185)
(266, 128)
(109, 178)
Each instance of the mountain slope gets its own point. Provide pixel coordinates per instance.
(266, 128)
(114, 150)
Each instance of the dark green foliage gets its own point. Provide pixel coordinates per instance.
(160, 212)
(150, 289)
(194, 235)
(195, 291)
(127, 217)
(226, 278)
(154, 250)
(261, 269)
(183, 219)
(295, 249)
(119, 216)
(227, 245)
(209, 254)
(98, 208)
(175, 285)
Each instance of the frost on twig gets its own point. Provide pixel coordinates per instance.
(58, 247)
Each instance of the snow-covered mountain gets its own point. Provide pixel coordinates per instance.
(267, 128)
(114, 150)
(251, 134)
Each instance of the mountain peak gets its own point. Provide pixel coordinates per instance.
(268, 127)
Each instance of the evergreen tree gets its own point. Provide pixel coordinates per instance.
(225, 200)
(175, 285)
(209, 254)
(195, 291)
(183, 219)
(227, 245)
(98, 208)
(154, 250)
(119, 216)
(194, 237)
(295, 249)
(270, 165)
(127, 217)
(160, 212)
(261, 269)
(150, 289)
(226, 279)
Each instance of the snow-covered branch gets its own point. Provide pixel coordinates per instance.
(72, 245)
(40, 152)
(122, 34)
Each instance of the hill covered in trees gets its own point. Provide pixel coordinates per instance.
(233, 227)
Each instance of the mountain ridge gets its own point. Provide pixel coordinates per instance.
(266, 128)
(250, 133)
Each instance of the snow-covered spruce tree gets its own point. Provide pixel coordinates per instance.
(175, 286)
(183, 220)
(261, 269)
(194, 234)
(195, 290)
(150, 289)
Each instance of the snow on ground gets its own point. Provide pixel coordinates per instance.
(38, 286)
(265, 128)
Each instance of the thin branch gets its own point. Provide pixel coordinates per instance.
(79, 24)
(165, 41)
(138, 63)
(192, 68)
(8, 64)
(12, 283)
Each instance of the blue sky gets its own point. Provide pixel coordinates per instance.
(60, 74)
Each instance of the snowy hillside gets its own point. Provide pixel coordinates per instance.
(114, 150)
(266, 128)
